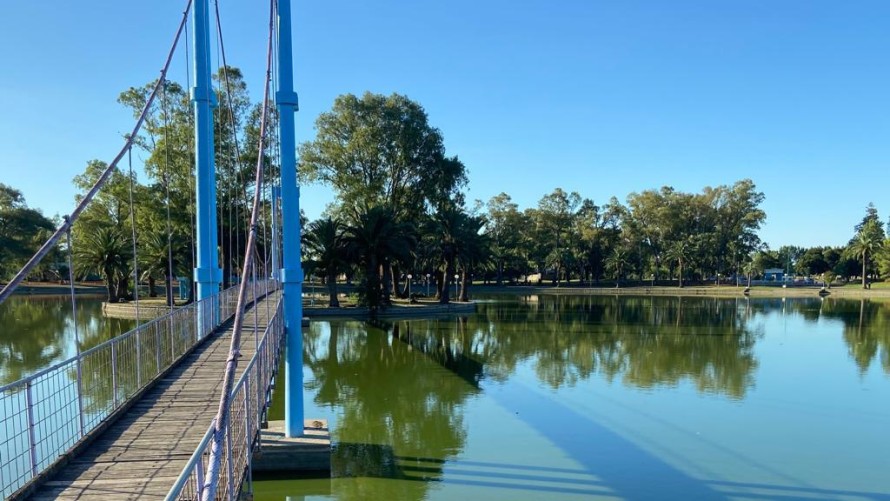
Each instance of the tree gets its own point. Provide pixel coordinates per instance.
(107, 253)
(555, 219)
(21, 229)
(326, 247)
(373, 240)
(868, 242)
(504, 226)
(679, 251)
(381, 151)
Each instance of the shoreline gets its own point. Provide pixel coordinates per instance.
(847, 291)
(55, 289)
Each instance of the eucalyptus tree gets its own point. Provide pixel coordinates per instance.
(381, 151)
(21, 228)
(378, 150)
(504, 225)
(555, 219)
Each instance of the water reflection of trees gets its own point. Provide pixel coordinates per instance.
(31, 334)
(866, 330)
(35, 332)
(643, 341)
(399, 403)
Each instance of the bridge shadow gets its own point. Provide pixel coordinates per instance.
(609, 464)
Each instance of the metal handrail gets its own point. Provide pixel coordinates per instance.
(43, 416)
(250, 398)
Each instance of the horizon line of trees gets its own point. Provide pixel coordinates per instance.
(400, 211)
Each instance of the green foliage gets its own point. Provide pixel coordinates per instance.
(105, 252)
(374, 240)
(381, 151)
(22, 231)
(326, 249)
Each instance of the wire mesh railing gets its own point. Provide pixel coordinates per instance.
(43, 416)
(250, 398)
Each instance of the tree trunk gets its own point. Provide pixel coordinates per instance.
(864, 261)
(123, 286)
(387, 283)
(151, 286)
(500, 277)
(111, 286)
(680, 273)
(464, 286)
(333, 301)
(449, 271)
(395, 272)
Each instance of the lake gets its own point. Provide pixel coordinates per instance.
(600, 397)
(572, 397)
(39, 331)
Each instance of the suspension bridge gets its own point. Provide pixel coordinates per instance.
(173, 409)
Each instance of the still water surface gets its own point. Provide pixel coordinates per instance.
(557, 397)
(38, 331)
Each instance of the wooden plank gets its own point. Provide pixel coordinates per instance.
(142, 454)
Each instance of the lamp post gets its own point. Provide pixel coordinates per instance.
(427, 285)
(456, 276)
(409, 286)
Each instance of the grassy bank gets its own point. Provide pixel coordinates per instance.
(849, 290)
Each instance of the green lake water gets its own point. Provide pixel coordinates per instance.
(39, 331)
(597, 397)
(561, 397)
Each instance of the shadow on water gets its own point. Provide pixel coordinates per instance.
(400, 388)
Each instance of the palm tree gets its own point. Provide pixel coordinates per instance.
(374, 240)
(107, 253)
(679, 251)
(446, 227)
(326, 245)
(157, 259)
(616, 262)
(867, 243)
(750, 269)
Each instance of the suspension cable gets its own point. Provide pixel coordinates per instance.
(71, 282)
(236, 170)
(133, 228)
(168, 285)
(51, 242)
(76, 332)
(220, 423)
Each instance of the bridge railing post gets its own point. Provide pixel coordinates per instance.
(113, 375)
(32, 435)
(80, 412)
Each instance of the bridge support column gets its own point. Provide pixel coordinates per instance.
(292, 274)
(276, 262)
(207, 272)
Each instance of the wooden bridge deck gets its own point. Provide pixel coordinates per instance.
(141, 455)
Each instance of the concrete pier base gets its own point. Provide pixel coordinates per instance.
(309, 453)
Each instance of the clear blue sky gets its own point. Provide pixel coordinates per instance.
(599, 97)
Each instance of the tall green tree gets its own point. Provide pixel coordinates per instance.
(326, 247)
(555, 219)
(868, 242)
(22, 230)
(380, 150)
